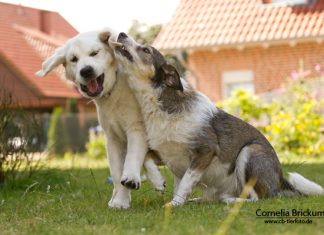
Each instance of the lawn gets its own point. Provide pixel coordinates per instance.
(71, 198)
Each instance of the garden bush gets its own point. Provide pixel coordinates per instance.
(96, 146)
(68, 130)
(72, 128)
(292, 122)
(20, 137)
(296, 122)
(247, 106)
(56, 140)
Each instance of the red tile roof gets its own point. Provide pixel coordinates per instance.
(227, 23)
(28, 36)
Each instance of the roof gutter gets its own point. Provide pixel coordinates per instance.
(241, 46)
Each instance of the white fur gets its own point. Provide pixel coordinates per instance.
(188, 181)
(304, 185)
(153, 174)
(81, 46)
(117, 108)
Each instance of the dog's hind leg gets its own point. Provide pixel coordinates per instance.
(153, 173)
(176, 182)
(263, 165)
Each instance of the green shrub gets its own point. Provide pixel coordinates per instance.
(96, 146)
(66, 132)
(296, 122)
(293, 121)
(246, 106)
(72, 129)
(56, 138)
(20, 137)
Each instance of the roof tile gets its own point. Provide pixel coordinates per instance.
(27, 38)
(207, 23)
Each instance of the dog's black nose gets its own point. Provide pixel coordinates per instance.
(122, 35)
(87, 72)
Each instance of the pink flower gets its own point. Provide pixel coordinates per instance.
(318, 69)
(294, 75)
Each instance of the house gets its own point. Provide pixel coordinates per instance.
(28, 36)
(251, 44)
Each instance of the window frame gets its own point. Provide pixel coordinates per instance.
(236, 76)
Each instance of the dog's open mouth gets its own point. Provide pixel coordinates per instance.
(94, 86)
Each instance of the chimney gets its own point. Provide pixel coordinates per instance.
(45, 22)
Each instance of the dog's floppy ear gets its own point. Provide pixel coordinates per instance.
(104, 36)
(52, 62)
(171, 77)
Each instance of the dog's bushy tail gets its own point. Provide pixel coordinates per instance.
(302, 185)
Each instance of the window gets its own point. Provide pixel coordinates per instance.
(239, 79)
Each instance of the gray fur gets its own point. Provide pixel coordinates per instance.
(176, 102)
(213, 147)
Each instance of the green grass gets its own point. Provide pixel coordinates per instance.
(63, 200)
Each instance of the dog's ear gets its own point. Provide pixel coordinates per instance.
(104, 36)
(52, 62)
(171, 77)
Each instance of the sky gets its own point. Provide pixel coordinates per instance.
(87, 15)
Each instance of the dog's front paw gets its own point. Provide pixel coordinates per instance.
(118, 204)
(131, 181)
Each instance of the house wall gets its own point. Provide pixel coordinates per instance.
(272, 66)
(26, 97)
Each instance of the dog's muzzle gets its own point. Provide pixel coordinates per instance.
(94, 86)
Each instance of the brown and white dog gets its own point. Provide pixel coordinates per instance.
(197, 141)
(91, 66)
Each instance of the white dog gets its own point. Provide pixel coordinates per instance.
(91, 66)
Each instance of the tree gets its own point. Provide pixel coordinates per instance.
(142, 33)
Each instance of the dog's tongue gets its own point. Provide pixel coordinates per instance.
(93, 86)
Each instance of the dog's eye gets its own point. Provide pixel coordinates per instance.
(74, 59)
(123, 48)
(94, 53)
(146, 50)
